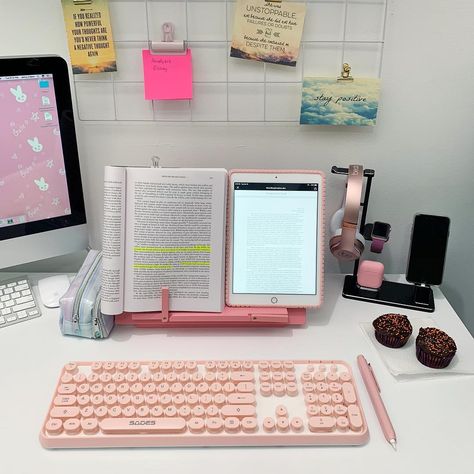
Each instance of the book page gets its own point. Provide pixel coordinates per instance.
(113, 240)
(175, 237)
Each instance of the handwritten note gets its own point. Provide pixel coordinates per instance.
(167, 77)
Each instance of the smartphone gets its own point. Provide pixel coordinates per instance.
(429, 241)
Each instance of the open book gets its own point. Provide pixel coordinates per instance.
(163, 227)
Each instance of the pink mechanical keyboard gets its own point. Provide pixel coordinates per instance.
(204, 403)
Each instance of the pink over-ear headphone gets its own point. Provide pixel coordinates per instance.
(346, 242)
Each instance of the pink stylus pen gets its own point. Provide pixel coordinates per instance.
(374, 392)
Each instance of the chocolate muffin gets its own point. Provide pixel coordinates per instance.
(392, 330)
(434, 348)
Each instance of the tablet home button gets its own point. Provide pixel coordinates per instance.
(274, 300)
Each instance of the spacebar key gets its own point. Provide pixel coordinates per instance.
(142, 425)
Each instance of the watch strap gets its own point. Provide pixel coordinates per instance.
(377, 244)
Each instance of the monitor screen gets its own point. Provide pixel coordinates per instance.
(42, 210)
(33, 180)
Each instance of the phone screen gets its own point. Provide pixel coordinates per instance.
(428, 249)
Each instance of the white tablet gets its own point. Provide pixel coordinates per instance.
(275, 238)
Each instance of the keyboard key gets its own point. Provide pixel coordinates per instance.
(246, 387)
(269, 425)
(72, 426)
(67, 388)
(241, 398)
(143, 425)
(90, 425)
(214, 425)
(242, 377)
(238, 410)
(342, 423)
(321, 423)
(282, 424)
(196, 425)
(20, 307)
(64, 412)
(249, 424)
(297, 424)
(65, 400)
(232, 425)
(54, 426)
(355, 418)
(348, 392)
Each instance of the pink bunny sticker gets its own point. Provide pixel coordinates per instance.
(42, 184)
(35, 144)
(20, 96)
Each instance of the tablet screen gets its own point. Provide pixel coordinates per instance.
(275, 229)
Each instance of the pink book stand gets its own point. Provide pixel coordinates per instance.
(231, 316)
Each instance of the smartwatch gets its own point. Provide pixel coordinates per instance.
(379, 235)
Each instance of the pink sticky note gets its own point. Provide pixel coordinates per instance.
(167, 76)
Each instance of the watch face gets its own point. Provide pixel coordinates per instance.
(381, 230)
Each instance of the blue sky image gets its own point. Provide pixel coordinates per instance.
(326, 101)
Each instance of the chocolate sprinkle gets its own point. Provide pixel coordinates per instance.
(392, 324)
(436, 342)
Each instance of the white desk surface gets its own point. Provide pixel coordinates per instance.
(433, 418)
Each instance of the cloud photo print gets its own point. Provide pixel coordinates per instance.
(326, 101)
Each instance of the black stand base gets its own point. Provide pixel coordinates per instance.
(392, 294)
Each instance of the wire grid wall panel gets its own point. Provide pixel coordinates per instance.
(229, 89)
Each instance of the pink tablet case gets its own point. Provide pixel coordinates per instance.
(321, 221)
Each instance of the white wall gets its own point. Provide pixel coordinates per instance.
(421, 149)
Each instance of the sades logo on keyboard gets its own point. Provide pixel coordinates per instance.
(141, 422)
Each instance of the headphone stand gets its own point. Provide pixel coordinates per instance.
(391, 293)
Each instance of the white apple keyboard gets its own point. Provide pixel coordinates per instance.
(17, 301)
(204, 403)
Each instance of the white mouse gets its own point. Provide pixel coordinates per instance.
(51, 289)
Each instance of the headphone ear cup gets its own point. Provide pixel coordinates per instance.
(335, 225)
(335, 243)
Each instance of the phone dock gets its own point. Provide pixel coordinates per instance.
(391, 293)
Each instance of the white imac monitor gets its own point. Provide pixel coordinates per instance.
(41, 201)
